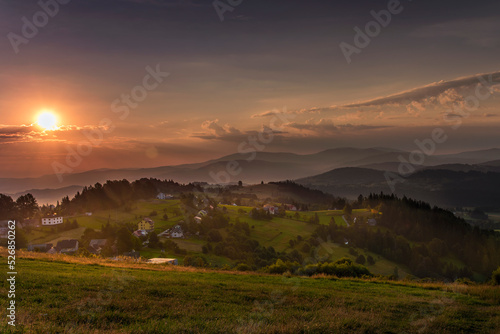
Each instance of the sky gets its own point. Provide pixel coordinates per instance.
(143, 83)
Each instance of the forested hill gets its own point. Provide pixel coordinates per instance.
(431, 241)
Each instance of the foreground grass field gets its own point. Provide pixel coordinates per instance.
(63, 294)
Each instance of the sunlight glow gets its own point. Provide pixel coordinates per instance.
(47, 120)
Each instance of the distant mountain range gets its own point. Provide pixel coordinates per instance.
(327, 170)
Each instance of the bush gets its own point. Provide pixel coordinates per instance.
(370, 260)
(243, 267)
(353, 252)
(495, 277)
(361, 259)
(195, 261)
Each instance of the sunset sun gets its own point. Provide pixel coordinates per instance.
(47, 120)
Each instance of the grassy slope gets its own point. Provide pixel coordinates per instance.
(96, 296)
(275, 233)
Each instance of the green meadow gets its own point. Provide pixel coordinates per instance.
(63, 294)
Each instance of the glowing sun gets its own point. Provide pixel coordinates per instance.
(47, 120)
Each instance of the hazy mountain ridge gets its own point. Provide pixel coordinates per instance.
(267, 166)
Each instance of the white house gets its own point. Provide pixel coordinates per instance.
(161, 196)
(176, 232)
(52, 221)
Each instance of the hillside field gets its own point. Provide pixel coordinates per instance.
(275, 233)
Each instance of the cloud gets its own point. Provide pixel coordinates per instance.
(274, 112)
(216, 131)
(327, 127)
(443, 92)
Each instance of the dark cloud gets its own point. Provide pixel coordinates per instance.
(327, 127)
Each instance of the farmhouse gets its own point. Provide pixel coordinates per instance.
(67, 246)
(39, 248)
(163, 196)
(271, 209)
(96, 245)
(140, 233)
(52, 221)
(174, 232)
(146, 225)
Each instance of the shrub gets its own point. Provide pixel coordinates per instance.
(361, 259)
(495, 277)
(243, 267)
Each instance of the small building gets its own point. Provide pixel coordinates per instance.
(174, 232)
(162, 260)
(146, 225)
(42, 248)
(291, 207)
(198, 219)
(52, 221)
(88, 214)
(67, 246)
(372, 222)
(140, 233)
(96, 245)
(271, 209)
(161, 196)
(202, 213)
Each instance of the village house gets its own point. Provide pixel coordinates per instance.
(96, 245)
(140, 233)
(67, 246)
(271, 209)
(164, 196)
(52, 221)
(43, 248)
(174, 232)
(146, 225)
